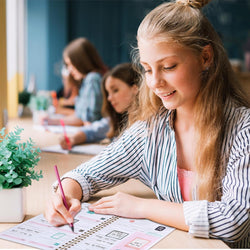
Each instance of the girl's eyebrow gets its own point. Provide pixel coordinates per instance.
(161, 59)
(113, 87)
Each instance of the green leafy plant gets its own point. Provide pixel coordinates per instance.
(24, 97)
(41, 101)
(17, 160)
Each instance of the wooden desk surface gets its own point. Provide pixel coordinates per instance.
(39, 191)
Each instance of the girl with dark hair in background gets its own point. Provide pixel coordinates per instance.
(119, 88)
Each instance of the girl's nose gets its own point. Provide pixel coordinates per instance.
(70, 68)
(109, 98)
(157, 80)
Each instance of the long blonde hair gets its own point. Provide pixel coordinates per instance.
(183, 22)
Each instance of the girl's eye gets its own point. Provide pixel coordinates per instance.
(169, 68)
(146, 71)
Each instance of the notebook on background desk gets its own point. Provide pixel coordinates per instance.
(90, 149)
(57, 129)
(92, 231)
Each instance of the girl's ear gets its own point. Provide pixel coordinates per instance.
(207, 56)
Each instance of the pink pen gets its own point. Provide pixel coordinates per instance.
(65, 134)
(62, 193)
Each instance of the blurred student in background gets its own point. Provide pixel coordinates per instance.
(84, 64)
(119, 88)
(66, 95)
(69, 90)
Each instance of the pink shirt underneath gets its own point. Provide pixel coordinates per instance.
(185, 180)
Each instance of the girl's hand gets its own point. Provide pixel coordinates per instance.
(64, 144)
(55, 121)
(86, 123)
(57, 214)
(120, 204)
(43, 119)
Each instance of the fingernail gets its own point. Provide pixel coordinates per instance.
(70, 220)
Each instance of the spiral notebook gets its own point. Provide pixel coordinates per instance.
(92, 232)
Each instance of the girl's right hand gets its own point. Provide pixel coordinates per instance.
(64, 144)
(57, 214)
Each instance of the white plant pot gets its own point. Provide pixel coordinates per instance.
(13, 205)
(38, 116)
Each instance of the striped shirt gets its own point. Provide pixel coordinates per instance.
(150, 156)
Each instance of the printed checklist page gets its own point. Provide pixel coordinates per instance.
(91, 231)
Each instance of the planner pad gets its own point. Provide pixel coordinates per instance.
(91, 231)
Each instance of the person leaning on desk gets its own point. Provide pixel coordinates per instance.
(85, 65)
(119, 88)
(67, 94)
(188, 138)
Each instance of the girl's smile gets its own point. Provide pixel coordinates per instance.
(166, 96)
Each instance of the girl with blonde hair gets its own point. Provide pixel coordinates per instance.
(188, 138)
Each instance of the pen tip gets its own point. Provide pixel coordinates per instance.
(72, 228)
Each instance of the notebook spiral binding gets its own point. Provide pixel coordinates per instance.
(88, 233)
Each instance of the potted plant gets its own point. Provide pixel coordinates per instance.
(17, 162)
(23, 101)
(40, 105)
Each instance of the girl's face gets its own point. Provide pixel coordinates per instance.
(73, 70)
(120, 94)
(172, 72)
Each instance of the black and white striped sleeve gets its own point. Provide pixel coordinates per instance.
(116, 164)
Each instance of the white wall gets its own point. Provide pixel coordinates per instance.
(15, 18)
